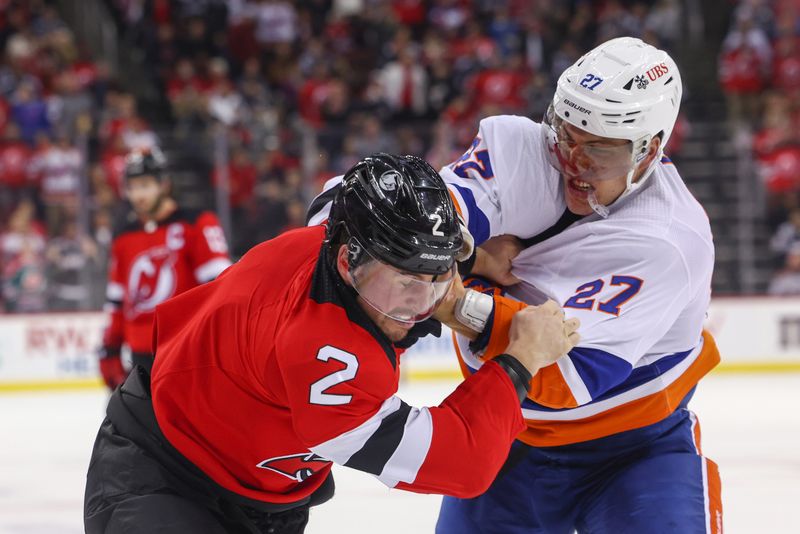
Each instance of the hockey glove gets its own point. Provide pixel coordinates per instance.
(114, 374)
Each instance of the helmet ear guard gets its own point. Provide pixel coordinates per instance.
(355, 253)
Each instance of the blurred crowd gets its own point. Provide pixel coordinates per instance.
(56, 113)
(297, 91)
(338, 79)
(759, 71)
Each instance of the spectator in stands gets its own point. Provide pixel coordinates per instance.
(15, 157)
(787, 236)
(759, 12)
(313, 93)
(614, 20)
(29, 111)
(780, 169)
(503, 83)
(241, 176)
(22, 278)
(58, 168)
(353, 71)
(195, 41)
(664, 21)
(372, 137)
(276, 21)
(138, 136)
(442, 86)
(786, 67)
(295, 214)
(71, 106)
(743, 67)
(252, 85)
(225, 103)
(72, 262)
(112, 160)
(787, 281)
(404, 84)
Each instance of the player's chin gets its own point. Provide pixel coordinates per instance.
(142, 208)
(396, 330)
(578, 206)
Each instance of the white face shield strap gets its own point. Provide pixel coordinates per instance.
(404, 297)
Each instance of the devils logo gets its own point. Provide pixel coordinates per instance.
(298, 467)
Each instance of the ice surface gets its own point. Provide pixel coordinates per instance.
(750, 426)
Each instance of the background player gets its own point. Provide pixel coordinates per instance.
(160, 251)
(290, 361)
(605, 226)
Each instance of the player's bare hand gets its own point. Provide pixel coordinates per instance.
(445, 312)
(494, 257)
(539, 335)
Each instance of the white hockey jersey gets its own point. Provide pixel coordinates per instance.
(639, 281)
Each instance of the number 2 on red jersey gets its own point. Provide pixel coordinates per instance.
(317, 394)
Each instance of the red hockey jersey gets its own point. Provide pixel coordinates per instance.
(269, 373)
(150, 265)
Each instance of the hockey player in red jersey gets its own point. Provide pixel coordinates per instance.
(161, 251)
(289, 361)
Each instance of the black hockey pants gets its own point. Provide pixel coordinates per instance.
(138, 483)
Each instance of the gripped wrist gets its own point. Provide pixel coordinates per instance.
(518, 373)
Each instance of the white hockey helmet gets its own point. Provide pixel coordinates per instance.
(623, 89)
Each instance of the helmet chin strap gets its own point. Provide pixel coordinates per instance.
(598, 208)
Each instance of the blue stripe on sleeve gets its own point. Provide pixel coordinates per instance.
(637, 377)
(599, 370)
(478, 222)
(646, 373)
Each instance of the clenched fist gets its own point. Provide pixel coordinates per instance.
(539, 335)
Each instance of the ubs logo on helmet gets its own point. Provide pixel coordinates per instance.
(388, 180)
(657, 72)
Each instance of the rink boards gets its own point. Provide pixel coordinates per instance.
(52, 351)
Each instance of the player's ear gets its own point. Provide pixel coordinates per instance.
(343, 265)
(652, 149)
(652, 152)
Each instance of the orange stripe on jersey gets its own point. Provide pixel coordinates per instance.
(504, 310)
(697, 436)
(547, 380)
(464, 369)
(714, 489)
(634, 414)
(455, 203)
(548, 386)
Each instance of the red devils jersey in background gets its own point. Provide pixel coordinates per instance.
(150, 265)
(269, 373)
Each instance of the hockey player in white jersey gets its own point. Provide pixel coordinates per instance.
(604, 225)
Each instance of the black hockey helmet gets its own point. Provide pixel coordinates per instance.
(398, 210)
(148, 162)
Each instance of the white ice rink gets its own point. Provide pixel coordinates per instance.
(750, 425)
